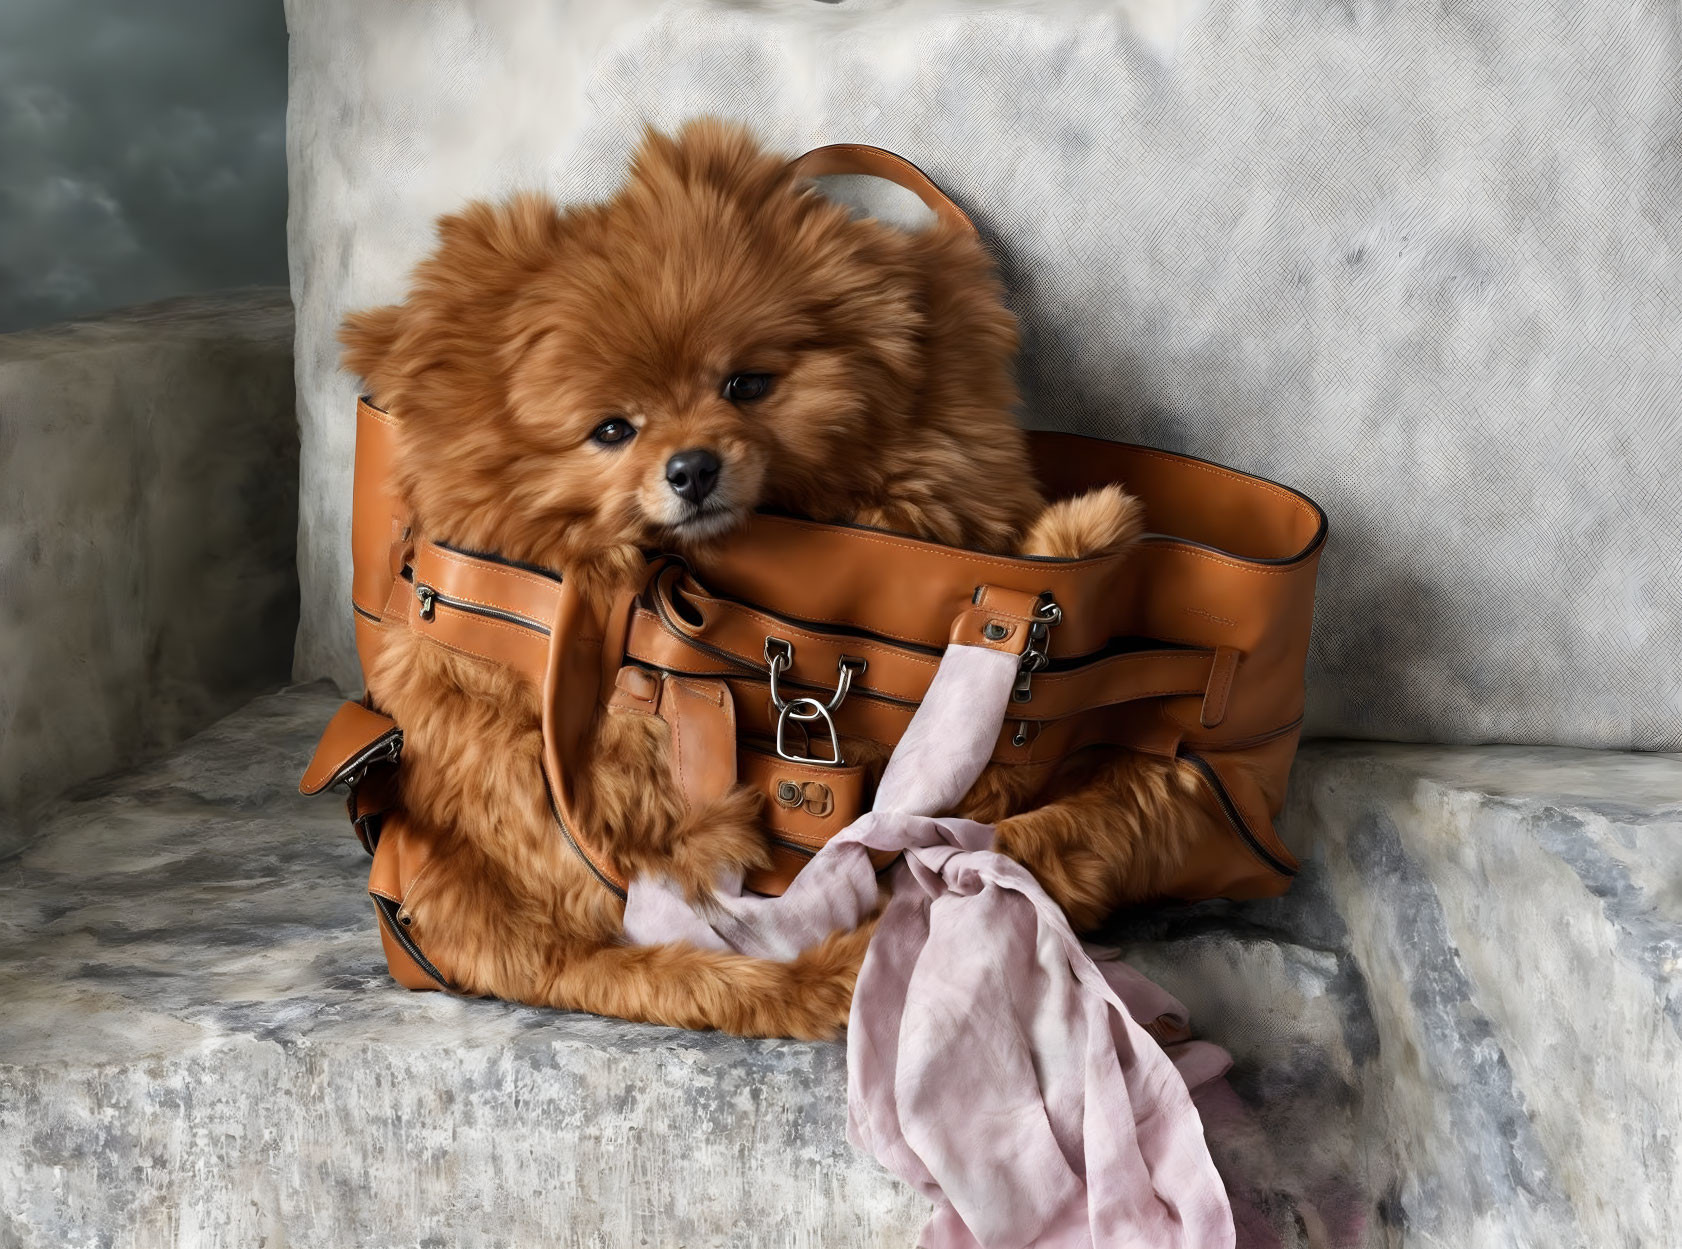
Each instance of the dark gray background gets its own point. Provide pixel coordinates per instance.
(142, 152)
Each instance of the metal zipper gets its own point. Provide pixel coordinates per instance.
(384, 748)
(430, 599)
(1236, 820)
(388, 911)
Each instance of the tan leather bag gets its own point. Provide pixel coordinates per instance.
(796, 635)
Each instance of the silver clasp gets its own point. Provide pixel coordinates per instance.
(1034, 654)
(779, 658)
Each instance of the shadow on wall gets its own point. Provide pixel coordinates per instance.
(142, 152)
(1402, 636)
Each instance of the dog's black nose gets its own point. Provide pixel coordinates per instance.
(693, 473)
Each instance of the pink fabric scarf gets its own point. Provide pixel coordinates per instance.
(992, 1062)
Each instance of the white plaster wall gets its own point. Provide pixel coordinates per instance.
(1418, 260)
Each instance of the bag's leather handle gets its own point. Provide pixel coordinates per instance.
(876, 162)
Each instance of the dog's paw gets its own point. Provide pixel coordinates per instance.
(825, 974)
(1095, 523)
(723, 836)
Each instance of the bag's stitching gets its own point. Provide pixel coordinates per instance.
(414, 885)
(1274, 488)
(550, 589)
(462, 648)
(726, 607)
(859, 624)
(1234, 562)
(987, 601)
(949, 554)
(713, 698)
(494, 569)
(675, 724)
(483, 622)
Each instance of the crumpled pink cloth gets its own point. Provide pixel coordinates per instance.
(992, 1062)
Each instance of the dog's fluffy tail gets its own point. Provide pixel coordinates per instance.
(1095, 523)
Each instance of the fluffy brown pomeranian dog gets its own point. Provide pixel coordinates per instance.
(576, 386)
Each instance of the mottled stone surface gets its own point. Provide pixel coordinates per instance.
(200, 1045)
(148, 504)
(1506, 929)
(1417, 260)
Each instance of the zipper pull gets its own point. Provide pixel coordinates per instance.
(428, 600)
(1034, 654)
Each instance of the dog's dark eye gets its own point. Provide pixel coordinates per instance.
(610, 432)
(746, 387)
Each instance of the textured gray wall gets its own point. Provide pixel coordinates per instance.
(148, 505)
(1421, 261)
(141, 152)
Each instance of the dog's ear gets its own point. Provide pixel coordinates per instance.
(370, 340)
(708, 155)
(434, 350)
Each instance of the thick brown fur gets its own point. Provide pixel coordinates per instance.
(890, 404)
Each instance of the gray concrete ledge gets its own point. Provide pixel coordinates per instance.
(148, 511)
(201, 1047)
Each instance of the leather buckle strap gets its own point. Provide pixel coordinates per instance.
(679, 627)
(1222, 670)
(1014, 621)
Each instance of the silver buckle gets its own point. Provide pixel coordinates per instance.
(779, 658)
(1034, 656)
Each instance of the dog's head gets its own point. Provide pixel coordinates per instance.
(575, 385)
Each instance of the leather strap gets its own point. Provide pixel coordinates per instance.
(702, 717)
(571, 688)
(689, 631)
(1223, 583)
(394, 883)
(483, 606)
(875, 162)
(805, 805)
